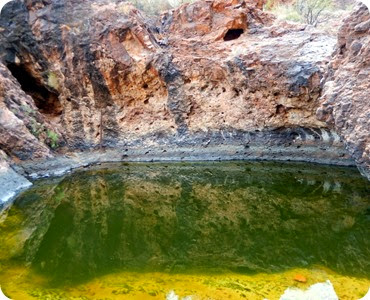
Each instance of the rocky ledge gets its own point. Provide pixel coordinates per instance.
(93, 81)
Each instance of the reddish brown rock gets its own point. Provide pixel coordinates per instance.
(346, 94)
(215, 18)
(212, 80)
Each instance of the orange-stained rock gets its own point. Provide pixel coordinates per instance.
(300, 278)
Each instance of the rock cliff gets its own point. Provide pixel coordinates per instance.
(209, 80)
(346, 94)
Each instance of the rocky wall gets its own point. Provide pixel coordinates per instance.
(210, 80)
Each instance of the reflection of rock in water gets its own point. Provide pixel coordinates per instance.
(248, 217)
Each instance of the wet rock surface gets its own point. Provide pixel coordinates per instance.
(210, 80)
(346, 95)
(10, 181)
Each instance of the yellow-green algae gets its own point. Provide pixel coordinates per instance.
(24, 285)
(207, 230)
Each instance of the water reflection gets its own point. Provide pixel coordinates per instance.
(203, 217)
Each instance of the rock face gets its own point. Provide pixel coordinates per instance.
(209, 80)
(346, 95)
(22, 127)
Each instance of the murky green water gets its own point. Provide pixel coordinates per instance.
(209, 230)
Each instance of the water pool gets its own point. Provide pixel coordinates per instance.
(219, 230)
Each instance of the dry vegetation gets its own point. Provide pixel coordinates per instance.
(313, 12)
(155, 7)
(325, 14)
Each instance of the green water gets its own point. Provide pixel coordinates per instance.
(231, 219)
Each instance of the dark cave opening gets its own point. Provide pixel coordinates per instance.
(233, 34)
(47, 101)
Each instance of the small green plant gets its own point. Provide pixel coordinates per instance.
(28, 110)
(53, 139)
(36, 128)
